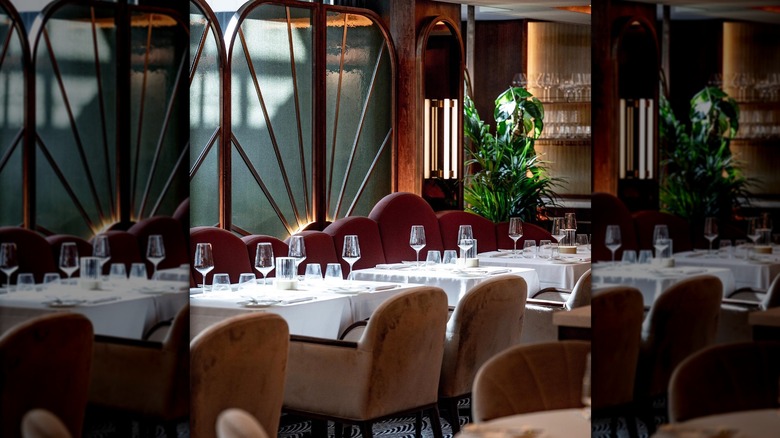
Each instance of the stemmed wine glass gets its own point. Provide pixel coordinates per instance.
(710, 231)
(754, 230)
(612, 239)
(155, 251)
(264, 259)
(351, 251)
(660, 239)
(101, 250)
(204, 261)
(417, 240)
(515, 232)
(297, 250)
(465, 239)
(69, 258)
(8, 261)
(558, 229)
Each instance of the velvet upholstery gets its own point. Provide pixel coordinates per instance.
(607, 209)
(395, 214)
(45, 363)
(679, 229)
(279, 247)
(371, 253)
(483, 229)
(55, 243)
(393, 368)
(726, 378)
(124, 249)
(319, 249)
(230, 254)
(238, 363)
(174, 240)
(182, 214)
(146, 379)
(682, 320)
(32, 251)
(237, 423)
(40, 423)
(530, 232)
(530, 378)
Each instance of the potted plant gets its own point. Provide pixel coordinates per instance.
(504, 175)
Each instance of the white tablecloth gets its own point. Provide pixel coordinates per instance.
(562, 423)
(126, 310)
(562, 273)
(757, 272)
(652, 280)
(455, 281)
(746, 424)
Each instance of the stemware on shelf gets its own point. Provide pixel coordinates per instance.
(69, 258)
(351, 251)
(101, 249)
(155, 251)
(204, 261)
(710, 231)
(660, 239)
(8, 261)
(465, 239)
(264, 259)
(515, 232)
(612, 239)
(297, 250)
(417, 240)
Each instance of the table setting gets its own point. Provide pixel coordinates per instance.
(756, 272)
(561, 273)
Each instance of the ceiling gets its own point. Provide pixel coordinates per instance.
(735, 10)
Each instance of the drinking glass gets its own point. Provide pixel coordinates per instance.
(612, 239)
(25, 281)
(433, 258)
(286, 271)
(101, 250)
(69, 258)
(570, 228)
(740, 248)
(754, 229)
(725, 249)
(515, 232)
(529, 249)
(246, 280)
(558, 229)
(333, 272)
(351, 251)
(582, 241)
(417, 240)
(710, 231)
(220, 281)
(51, 278)
(545, 249)
(155, 251)
(450, 257)
(8, 261)
(645, 256)
(465, 239)
(297, 250)
(117, 272)
(204, 261)
(313, 273)
(138, 271)
(660, 236)
(629, 257)
(264, 259)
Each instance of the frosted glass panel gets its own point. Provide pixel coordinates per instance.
(11, 124)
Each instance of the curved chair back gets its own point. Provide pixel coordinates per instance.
(55, 243)
(371, 252)
(747, 371)
(238, 423)
(682, 320)
(616, 330)
(239, 363)
(609, 210)
(530, 232)
(32, 251)
(530, 378)
(230, 255)
(484, 230)
(772, 297)
(679, 229)
(40, 423)
(124, 249)
(174, 239)
(319, 249)
(280, 247)
(45, 363)
(182, 214)
(487, 320)
(581, 293)
(395, 214)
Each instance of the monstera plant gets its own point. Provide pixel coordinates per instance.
(505, 177)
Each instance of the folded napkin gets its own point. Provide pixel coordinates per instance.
(392, 266)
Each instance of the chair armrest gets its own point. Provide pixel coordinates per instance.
(743, 303)
(322, 341)
(549, 289)
(128, 342)
(746, 289)
(352, 327)
(546, 303)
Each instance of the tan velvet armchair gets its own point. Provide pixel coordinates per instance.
(239, 363)
(539, 309)
(392, 369)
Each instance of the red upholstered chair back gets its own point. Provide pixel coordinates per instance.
(484, 230)
(530, 232)
(230, 255)
(395, 214)
(182, 214)
(174, 239)
(124, 249)
(32, 252)
(280, 247)
(319, 249)
(607, 209)
(679, 229)
(56, 241)
(371, 252)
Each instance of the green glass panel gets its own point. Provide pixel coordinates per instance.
(11, 124)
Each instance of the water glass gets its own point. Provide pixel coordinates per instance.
(555, 251)
(529, 249)
(725, 250)
(545, 250)
(25, 282)
(313, 273)
(450, 257)
(333, 272)
(286, 272)
(117, 272)
(221, 282)
(629, 257)
(645, 256)
(246, 280)
(582, 242)
(51, 279)
(740, 248)
(433, 258)
(138, 271)
(90, 273)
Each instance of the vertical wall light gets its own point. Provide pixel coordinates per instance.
(441, 139)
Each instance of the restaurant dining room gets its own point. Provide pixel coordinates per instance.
(390, 218)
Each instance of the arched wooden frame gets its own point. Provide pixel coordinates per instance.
(422, 43)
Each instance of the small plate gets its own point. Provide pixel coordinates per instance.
(259, 304)
(64, 303)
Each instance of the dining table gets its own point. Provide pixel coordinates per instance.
(761, 423)
(558, 423)
(561, 272)
(574, 324)
(755, 271)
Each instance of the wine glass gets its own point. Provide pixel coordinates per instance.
(570, 228)
(351, 251)
(417, 240)
(155, 251)
(264, 259)
(101, 249)
(710, 231)
(8, 261)
(465, 239)
(515, 232)
(558, 228)
(660, 239)
(69, 258)
(297, 250)
(612, 239)
(754, 230)
(204, 261)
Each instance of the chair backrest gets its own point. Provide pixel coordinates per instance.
(32, 251)
(410, 325)
(679, 229)
(124, 249)
(280, 247)
(607, 209)
(487, 320)
(182, 214)
(725, 378)
(319, 249)
(55, 243)
(772, 297)
(530, 378)
(616, 331)
(483, 229)
(238, 423)
(682, 320)
(581, 293)
(40, 423)
(239, 363)
(395, 214)
(371, 252)
(230, 254)
(45, 363)
(174, 239)
(530, 232)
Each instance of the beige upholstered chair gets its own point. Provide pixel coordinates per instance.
(487, 320)
(45, 363)
(238, 423)
(537, 323)
(143, 378)
(392, 369)
(530, 378)
(239, 363)
(733, 323)
(726, 378)
(40, 423)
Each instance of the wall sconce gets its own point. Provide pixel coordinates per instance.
(441, 139)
